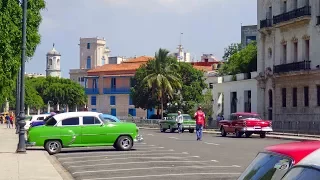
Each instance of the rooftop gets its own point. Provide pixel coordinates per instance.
(203, 68)
(138, 59)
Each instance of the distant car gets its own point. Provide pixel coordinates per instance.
(82, 129)
(170, 123)
(36, 119)
(110, 118)
(289, 161)
(245, 123)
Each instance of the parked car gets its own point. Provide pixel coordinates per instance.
(170, 123)
(245, 123)
(110, 118)
(275, 162)
(35, 120)
(82, 129)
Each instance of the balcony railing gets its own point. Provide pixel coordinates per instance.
(304, 11)
(296, 66)
(265, 23)
(92, 90)
(116, 90)
(318, 20)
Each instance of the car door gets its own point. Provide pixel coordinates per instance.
(70, 131)
(228, 123)
(93, 130)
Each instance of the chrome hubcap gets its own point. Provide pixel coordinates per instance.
(126, 143)
(53, 146)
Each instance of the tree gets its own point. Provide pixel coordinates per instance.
(207, 105)
(11, 38)
(231, 50)
(243, 61)
(163, 78)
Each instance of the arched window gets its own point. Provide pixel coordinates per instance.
(88, 62)
(50, 62)
(58, 61)
(270, 98)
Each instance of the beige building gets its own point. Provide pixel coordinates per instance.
(288, 61)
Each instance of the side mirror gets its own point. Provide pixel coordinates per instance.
(101, 124)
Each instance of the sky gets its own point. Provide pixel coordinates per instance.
(140, 27)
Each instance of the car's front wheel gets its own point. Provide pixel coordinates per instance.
(223, 132)
(124, 143)
(53, 146)
(162, 129)
(262, 135)
(238, 133)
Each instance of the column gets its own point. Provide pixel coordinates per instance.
(48, 107)
(76, 108)
(28, 110)
(38, 111)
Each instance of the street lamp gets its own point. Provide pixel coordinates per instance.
(21, 148)
(17, 102)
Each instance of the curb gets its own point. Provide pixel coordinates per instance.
(270, 136)
(65, 175)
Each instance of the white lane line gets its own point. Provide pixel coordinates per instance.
(144, 162)
(214, 160)
(236, 166)
(150, 134)
(106, 159)
(117, 155)
(152, 148)
(164, 175)
(212, 143)
(149, 168)
(173, 138)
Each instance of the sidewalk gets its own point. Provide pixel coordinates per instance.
(34, 165)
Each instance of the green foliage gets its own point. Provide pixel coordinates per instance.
(207, 105)
(11, 38)
(231, 50)
(241, 61)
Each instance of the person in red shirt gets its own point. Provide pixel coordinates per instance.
(200, 122)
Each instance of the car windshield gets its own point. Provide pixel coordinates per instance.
(266, 166)
(173, 117)
(51, 121)
(302, 173)
(104, 120)
(47, 118)
(250, 116)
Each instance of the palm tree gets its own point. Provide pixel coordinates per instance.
(163, 76)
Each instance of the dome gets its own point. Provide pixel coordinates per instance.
(53, 52)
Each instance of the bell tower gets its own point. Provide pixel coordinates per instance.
(53, 63)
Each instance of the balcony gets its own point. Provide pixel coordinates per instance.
(318, 20)
(92, 90)
(291, 15)
(265, 23)
(296, 66)
(116, 90)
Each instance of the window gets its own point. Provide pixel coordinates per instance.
(114, 112)
(58, 61)
(113, 83)
(112, 100)
(94, 110)
(94, 83)
(266, 166)
(40, 118)
(132, 82)
(50, 62)
(307, 53)
(295, 4)
(51, 121)
(306, 96)
(132, 112)
(93, 100)
(130, 100)
(88, 45)
(307, 3)
(88, 62)
(90, 120)
(318, 95)
(211, 85)
(284, 54)
(284, 97)
(103, 60)
(302, 173)
(294, 97)
(295, 51)
(284, 7)
(71, 121)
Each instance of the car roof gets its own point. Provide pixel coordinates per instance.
(65, 115)
(110, 116)
(41, 115)
(245, 113)
(296, 150)
(313, 159)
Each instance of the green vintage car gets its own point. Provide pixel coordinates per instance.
(170, 123)
(82, 129)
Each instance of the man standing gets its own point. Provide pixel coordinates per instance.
(200, 118)
(179, 120)
(8, 121)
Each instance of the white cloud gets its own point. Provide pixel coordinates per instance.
(178, 6)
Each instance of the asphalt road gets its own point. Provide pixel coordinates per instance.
(169, 156)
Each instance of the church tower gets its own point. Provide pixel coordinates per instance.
(53, 63)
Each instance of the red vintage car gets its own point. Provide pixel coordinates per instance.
(245, 123)
(289, 161)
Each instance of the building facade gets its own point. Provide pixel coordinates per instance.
(248, 34)
(289, 60)
(53, 63)
(108, 88)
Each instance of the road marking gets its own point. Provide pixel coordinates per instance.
(150, 134)
(173, 138)
(117, 155)
(214, 160)
(149, 168)
(236, 166)
(212, 143)
(164, 175)
(106, 159)
(144, 162)
(152, 148)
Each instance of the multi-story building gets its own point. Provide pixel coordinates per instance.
(93, 53)
(289, 60)
(108, 88)
(248, 34)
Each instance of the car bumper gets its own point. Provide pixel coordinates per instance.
(30, 144)
(252, 129)
(188, 126)
(138, 139)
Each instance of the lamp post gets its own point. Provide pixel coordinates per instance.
(21, 122)
(17, 101)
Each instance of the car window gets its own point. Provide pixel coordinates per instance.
(266, 166)
(302, 173)
(71, 121)
(250, 116)
(51, 121)
(90, 120)
(40, 118)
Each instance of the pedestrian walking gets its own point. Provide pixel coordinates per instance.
(8, 121)
(11, 120)
(179, 120)
(200, 122)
